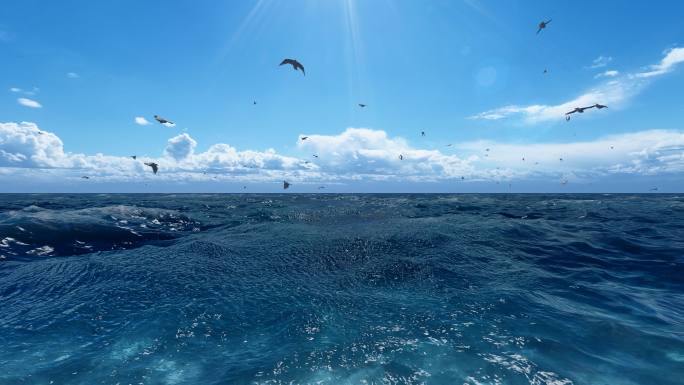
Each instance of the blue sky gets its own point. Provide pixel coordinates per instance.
(468, 73)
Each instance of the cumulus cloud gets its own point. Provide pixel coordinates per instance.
(614, 92)
(142, 121)
(356, 154)
(180, 147)
(29, 103)
(600, 62)
(361, 152)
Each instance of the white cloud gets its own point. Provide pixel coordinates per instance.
(180, 147)
(362, 152)
(142, 121)
(29, 103)
(672, 57)
(356, 154)
(600, 62)
(15, 89)
(614, 93)
(72, 75)
(607, 74)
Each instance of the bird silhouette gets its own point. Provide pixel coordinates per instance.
(362, 105)
(422, 133)
(315, 156)
(599, 106)
(401, 157)
(134, 157)
(305, 137)
(543, 25)
(85, 177)
(155, 167)
(286, 185)
(295, 65)
(164, 121)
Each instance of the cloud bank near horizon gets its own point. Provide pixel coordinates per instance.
(354, 155)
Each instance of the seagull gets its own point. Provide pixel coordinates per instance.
(244, 187)
(448, 145)
(286, 185)
(155, 167)
(561, 159)
(315, 156)
(401, 157)
(422, 133)
(295, 65)
(164, 121)
(362, 105)
(134, 157)
(255, 102)
(305, 137)
(85, 177)
(523, 159)
(599, 106)
(546, 71)
(579, 110)
(543, 25)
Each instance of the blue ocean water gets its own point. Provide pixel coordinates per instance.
(342, 289)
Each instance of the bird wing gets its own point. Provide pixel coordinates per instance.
(548, 21)
(287, 61)
(539, 30)
(299, 65)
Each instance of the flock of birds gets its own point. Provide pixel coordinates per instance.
(297, 66)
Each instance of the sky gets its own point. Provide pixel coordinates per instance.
(81, 81)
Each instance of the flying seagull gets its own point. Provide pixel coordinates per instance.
(401, 157)
(315, 156)
(255, 102)
(448, 145)
(134, 157)
(305, 137)
(163, 121)
(362, 105)
(155, 167)
(422, 133)
(579, 110)
(543, 25)
(546, 71)
(295, 65)
(286, 185)
(85, 177)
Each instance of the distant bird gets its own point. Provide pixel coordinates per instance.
(362, 105)
(543, 25)
(255, 102)
(611, 147)
(448, 145)
(295, 65)
(546, 71)
(462, 178)
(401, 157)
(561, 159)
(155, 167)
(85, 177)
(486, 149)
(286, 185)
(654, 189)
(579, 110)
(523, 159)
(422, 133)
(304, 137)
(244, 187)
(40, 133)
(315, 156)
(599, 106)
(134, 157)
(164, 121)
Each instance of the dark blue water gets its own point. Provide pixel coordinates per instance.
(342, 289)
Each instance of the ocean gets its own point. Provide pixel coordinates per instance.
(341, 289)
